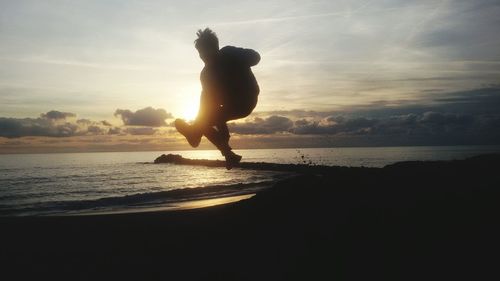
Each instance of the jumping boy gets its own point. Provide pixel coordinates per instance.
(229, 92)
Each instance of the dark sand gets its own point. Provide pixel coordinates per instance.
(408, 221)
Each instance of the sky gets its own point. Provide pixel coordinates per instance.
(113, 75)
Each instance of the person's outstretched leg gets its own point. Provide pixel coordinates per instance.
(191, 132)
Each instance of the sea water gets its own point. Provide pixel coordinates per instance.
(75, 183)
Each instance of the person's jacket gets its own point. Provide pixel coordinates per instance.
(229, 77)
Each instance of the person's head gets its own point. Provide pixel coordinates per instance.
(207, 44)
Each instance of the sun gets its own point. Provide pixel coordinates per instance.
(190, 102)
(190, 110)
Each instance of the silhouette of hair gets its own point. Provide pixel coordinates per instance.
(207, 39)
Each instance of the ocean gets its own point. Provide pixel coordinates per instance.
(104, 182)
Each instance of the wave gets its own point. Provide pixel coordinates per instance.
(136, 200)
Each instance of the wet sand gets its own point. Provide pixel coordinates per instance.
(408, 221)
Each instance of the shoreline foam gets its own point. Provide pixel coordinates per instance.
(167, 207)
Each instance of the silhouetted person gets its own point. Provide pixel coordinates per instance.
(229, 91)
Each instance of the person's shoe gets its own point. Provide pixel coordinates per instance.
(192, 135)
(232, 159)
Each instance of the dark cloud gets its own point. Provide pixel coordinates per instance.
(106, 123)
(428, 125)
(54, 124)
(144, 117)
(57, 115)
(472, 102)
(114, 131)
(140, 131)
(23, 127)
(412, 128)
(296, 113)
(10, 127)
(85, 122)
(476, 101)
(50, 124)
(14, 127)
(334, 125)
(96, 130)
(270, 125)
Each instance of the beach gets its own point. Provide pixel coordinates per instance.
(407, 221)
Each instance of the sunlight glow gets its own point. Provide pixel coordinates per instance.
(190, 110)
(190, 103)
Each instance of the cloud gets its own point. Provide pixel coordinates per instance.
(105, 123)
(54, 124)
(85, 122)
(423, 128)
(140, 131)
(16, 127)
(428, 124)
(114, 131)
(295, 113)
(334, 125)
(270, 125)
(144, 117)
(96, 130)
(478, 101)
(56, 115)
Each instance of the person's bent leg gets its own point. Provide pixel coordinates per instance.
(218, 139)
(211, 116)
(218, 136)
(232, 159)
(224, 130)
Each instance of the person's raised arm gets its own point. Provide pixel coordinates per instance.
(246, 57)
(251, 57)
